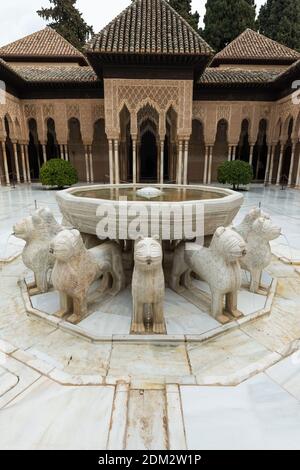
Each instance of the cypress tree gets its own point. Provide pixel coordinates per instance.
(226, 19)
(184, 8)
(280, 20)
(65, 18)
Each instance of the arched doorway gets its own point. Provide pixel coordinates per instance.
(9, 148)
(243, 149)
(220, 150)
(196, 153)
(125, 145)
(34, 150)
(260, 152)
(148, 156)
(287, 154)
(100, 153)
(76, 148)
(52, 149)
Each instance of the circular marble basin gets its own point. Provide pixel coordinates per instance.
(172, 209)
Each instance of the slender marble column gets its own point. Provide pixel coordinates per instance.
(186, 162)
(87, 163)
(5, 164)
(251, 154)
(66, 151)
(91, 164)
(292, 164)
(111, 162)
(280, 165)
(161, 172)
(16, 161)
(27, 163)
(134, 161)
(62, 152)
(210, 165)
(273, 148)
(206, 164)
(44, 152)
(268, 163)
(229, 153)
(23, 163)
(234, 148)
(179, 163)
(117, 165)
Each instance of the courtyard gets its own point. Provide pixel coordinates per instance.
(238, 388)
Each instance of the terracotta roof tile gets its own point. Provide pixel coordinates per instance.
(149, 27)
(44, 43)
(44, 73)
(214, 76)
(252, 46)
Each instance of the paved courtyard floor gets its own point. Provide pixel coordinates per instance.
(238, 390)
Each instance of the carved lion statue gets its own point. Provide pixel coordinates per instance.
(148, 285)
(259, 253)
(218, 265)
(245, 227)
(76, 268)
(38, 230)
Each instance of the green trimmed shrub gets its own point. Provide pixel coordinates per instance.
(236, 173)
(59, 173)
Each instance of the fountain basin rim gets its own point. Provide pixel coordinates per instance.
(228, 194)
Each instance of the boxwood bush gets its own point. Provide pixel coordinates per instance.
(58, 173)
(236, 173)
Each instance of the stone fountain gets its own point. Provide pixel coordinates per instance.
(97, 246)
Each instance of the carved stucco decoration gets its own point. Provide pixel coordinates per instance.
(73, 111)
(48, 111)
(30, 111)
(161, 94)
(98, 112)
(224, 112)
(199, 111)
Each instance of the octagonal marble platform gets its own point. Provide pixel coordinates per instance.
(186, 315)
(176, 394)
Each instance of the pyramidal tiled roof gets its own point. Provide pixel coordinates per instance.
(149, 27)
(252, 46)
(45, 43)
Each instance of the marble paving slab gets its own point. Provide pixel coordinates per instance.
(142, 360)
(225, 358)
(257, 414)
(280, 328)
(49, 416)
(146, 422)
(25, 375)
(287, 374)
(72, 354)
(7, 381)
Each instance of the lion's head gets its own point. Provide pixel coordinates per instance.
(229, 244)
(266, 229)
(66, 245)
(148, 252)
(41, 223)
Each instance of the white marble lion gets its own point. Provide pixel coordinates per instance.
(218, 265)
(38, 230)
(148, 285)
(76, 268)
(259, 253)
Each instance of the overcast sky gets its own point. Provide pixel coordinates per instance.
(18, 17)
